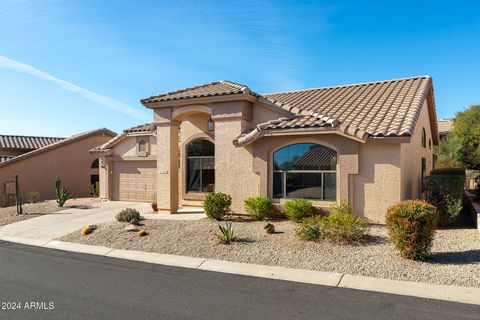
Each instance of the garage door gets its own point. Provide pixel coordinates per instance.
(134, 181)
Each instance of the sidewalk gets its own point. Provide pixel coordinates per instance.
(42, 230)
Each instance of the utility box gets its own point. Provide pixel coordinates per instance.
(10, 187)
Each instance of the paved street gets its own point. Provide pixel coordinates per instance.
(80, 286)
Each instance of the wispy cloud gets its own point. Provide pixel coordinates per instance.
(87, 94)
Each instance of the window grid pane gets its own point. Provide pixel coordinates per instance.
(305, 170)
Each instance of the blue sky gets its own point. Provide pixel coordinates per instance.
(72, 66)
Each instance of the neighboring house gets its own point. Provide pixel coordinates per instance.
(445, 128)
(369, 144)
(13, 146)
(38, 161)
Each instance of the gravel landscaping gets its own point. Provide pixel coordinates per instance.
(31, 210)
(455, 259)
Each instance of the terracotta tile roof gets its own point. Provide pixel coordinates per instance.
(371, 109)
(25, 142)
(143, 128)
(57, 144)
(376, 109)
(147, 127)
(445, 125)
(388, 108)
(218, 88)
(5, 157)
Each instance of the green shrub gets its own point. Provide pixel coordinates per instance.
(226, 233)
(411, 226)
(339, 226)
(33, 196)
(258, 207)
(94, 190)
(446, 193)
(311, 229)
(217, 205)
(127, 215)
(298, 209)
(448, 172)
(62, 193)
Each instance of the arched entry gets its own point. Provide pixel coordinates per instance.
(200, 166)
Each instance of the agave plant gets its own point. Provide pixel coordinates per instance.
(226, 233)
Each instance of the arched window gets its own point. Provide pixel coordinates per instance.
(200, 166)
(305, 170)
(94, 164)
(424, 138)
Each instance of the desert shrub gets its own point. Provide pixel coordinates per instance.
(311, 229)
(226, 235)
(258, 207)
(135, 222)
(62, 193)
(217, 205)
(339, 226)
(298, 209)
(269, 228)
(127, 215)
(33, 196)
(94, 190)
(142, 233)
(411, 226)
(446, 193)
(448, 172)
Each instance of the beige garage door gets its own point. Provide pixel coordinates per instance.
(134, 181)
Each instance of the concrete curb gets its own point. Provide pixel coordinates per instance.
(332, 279)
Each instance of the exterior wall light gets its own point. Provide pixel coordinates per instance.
(210, 125)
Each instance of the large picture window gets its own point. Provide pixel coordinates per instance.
(200, 166)
(305, 170)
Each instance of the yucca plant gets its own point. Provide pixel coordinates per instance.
(62, 193)
(226, 233)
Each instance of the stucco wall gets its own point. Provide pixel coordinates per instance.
(70, 163)
(128, 146)
(411, 158)
(347, 160)
(377, 186)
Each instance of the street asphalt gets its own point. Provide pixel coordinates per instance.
(51, 284)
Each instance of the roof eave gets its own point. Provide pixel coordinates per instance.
(198, 100)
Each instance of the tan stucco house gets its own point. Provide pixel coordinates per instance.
(367, 143)
(38, 161)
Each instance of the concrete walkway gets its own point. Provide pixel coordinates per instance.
(57, 224)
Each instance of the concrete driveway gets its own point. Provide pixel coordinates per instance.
(48, 227)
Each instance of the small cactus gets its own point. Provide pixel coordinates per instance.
(86, 231)
(270, 228)
(142, 233)
(18, 200)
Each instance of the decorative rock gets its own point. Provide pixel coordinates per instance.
(131, 228)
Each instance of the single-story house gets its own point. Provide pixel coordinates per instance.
(368, 143)
(38, 161)
(445, 128)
